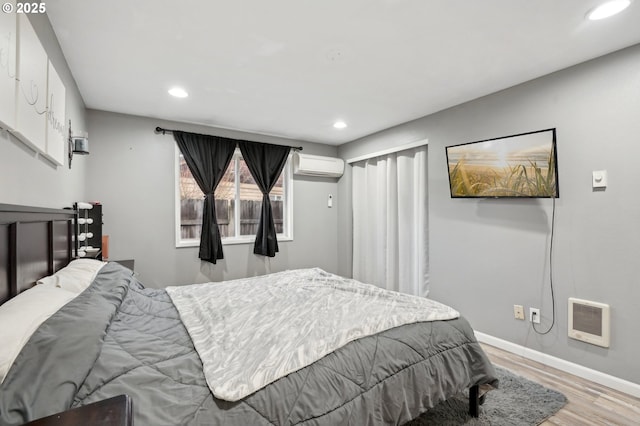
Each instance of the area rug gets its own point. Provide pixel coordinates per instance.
(518, 402)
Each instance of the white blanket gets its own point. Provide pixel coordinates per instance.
(251, 332)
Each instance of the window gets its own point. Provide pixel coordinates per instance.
(237, 188)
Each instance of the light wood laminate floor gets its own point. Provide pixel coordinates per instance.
(588, 403)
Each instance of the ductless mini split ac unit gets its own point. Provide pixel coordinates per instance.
(316, 165)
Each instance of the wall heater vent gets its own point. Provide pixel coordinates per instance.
(589, 321)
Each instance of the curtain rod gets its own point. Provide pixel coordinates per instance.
(165, 131)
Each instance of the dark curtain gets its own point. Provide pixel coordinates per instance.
(208, 158)
(265, 162)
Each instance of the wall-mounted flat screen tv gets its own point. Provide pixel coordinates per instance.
(516, 166)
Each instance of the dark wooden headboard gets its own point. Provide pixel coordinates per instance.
(34, 242)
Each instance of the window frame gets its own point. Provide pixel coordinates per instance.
(287, 183)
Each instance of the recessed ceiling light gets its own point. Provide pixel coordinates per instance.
(339, 124)
(608, 9)
(178, 92)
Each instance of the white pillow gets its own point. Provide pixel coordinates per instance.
(22, 315)
(76, 276)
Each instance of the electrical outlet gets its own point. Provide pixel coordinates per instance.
(518, 312)
(534, 315)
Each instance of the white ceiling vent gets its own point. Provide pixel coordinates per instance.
(315, 165)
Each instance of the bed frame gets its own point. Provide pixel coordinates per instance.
(34, 242)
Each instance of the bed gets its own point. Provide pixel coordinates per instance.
(113, 336)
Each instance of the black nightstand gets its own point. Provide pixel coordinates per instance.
(116, 411)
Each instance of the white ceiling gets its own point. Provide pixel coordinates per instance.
(291, 68)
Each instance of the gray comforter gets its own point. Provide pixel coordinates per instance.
(119, 338)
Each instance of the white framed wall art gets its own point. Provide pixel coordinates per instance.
(31, 96)
(8, 43)
(56, 134)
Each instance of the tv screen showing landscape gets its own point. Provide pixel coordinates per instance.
(522, 165)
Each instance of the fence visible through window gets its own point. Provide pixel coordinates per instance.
(191, 217)
(191, 203)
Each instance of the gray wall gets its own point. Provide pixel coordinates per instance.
(26, 178)
(131, 172)
(487, 255)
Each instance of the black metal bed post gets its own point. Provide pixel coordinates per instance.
(474, 401)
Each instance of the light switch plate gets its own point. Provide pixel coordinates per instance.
(599, 178)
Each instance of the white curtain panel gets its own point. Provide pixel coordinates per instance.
(390, 221)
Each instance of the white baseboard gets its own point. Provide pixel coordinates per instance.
(560, 364)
